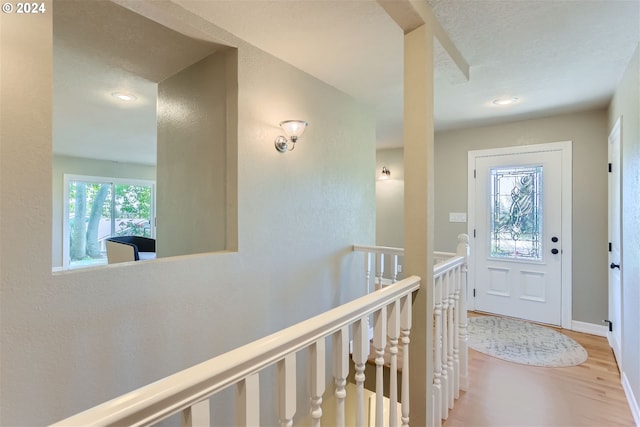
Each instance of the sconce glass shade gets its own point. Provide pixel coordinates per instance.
(294, 128)
(385, 174)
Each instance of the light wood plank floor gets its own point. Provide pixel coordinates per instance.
(508, 394)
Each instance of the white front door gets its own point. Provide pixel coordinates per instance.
(615, 290)
(519, 236)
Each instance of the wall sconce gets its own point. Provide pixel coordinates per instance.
(385, 174)
(293, 129)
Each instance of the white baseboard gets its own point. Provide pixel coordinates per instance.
(633, 402)
(589, 328)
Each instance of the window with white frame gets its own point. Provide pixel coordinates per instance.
(97, 208)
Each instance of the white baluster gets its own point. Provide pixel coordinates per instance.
(393, 315)
(450, 330)
(379, 341)
(197, 415)
(248, 401)
(437, 362)
(444, 396)
(394, 277)
(379, 270)
(286, 378)
(456, 335)
(463, 250)
(360, 355)
(340, 372)
(405, 329)
(316, 380)
(367, 266)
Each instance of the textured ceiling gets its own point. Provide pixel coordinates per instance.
(554, 55)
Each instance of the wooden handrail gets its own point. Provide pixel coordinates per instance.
(161, 399)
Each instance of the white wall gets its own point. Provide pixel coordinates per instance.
(588, 131)
(91, 167)
(626, 103)
(72, 340)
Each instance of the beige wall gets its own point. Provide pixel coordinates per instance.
(72, 340)
(390, 199)
(192, 156)
(588, 131)
(91, 167)
(626, 104)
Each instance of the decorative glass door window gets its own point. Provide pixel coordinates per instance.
(516, 213)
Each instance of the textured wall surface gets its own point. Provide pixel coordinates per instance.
(75, 339)
(192, 157)
(626, 104)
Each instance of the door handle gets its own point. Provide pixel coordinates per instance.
(612, 266)
(554, 251)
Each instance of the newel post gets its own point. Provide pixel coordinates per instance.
(464, 251)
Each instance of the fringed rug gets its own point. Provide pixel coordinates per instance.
(523, 342)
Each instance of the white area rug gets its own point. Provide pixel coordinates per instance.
(523, 342)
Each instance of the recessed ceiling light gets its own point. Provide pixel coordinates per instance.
(507, 100)
(126, 97)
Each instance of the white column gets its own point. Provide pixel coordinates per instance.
(340, 372)
(367, 272)
(286, 379)
(443, 299)
(393, 326)
(379, 342)
(405, 329)
(379, 270)
(248, 401)
(463, 250)
(197, 415)
(316, 380)
(360, 355)
(451, 277)
(456, 334)
(437, 374)
(394, 274)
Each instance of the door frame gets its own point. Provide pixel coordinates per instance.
(565, 147)
(615, 164)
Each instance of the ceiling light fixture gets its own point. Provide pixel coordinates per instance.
(507, 100)
(293, 129)
(126, 97)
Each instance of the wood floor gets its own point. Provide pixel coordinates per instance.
(508, 394)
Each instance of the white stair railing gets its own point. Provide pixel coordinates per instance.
(450, 327)
(374, 261)
(450, 349)
(188, 392)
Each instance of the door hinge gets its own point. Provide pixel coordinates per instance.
(610, 323)
(474, 292)
(474, 173)
(609, 167)
(609, 246)
(474, 232)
